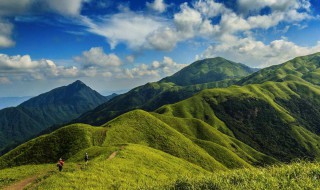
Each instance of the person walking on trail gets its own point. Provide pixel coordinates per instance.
(86, 158)
(60, 164)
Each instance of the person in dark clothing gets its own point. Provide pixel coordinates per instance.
(86, 158)
(60, 164)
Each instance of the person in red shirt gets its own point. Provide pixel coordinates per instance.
(60, 164)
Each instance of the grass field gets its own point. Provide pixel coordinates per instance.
(140, 167)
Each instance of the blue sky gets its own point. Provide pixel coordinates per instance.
(116, 45)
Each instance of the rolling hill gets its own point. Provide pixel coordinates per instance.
(305, 68)
(58, 106)
(204, 74)
(216, 130)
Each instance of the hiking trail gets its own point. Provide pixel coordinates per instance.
(21, 184)
(114, 154)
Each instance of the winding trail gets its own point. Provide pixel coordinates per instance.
(21, 184)
(114, 154)
(25, 182)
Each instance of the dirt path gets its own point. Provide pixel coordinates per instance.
(21, 184)
(114, 154)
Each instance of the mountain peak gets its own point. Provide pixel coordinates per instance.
(209, 70)
(77, 83)
(71, 93)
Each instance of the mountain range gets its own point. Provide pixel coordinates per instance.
(203, 74)
(58, 106)
(212, 120)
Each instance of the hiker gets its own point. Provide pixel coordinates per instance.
(60, 164)
(86, 158)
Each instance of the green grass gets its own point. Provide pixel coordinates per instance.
(263, 116)
(294, 176)
(64, 143)
(12, 175)
(134, 167)
(140, 167)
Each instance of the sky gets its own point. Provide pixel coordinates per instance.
(114, 46)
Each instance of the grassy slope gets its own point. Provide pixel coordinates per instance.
(191, 140)
(301, 68)
(64, 142)
(257, 115)
(208, 70)
(140, 167)
(204, 74)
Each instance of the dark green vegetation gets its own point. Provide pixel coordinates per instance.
(208, 73)
(52, 108)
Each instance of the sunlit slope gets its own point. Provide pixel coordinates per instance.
(134, 166)
(268, 117)
(191, 140)
(203, 74)
(301, 68)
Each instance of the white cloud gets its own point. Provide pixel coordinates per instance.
(188, 21)
(210, 8)
(96, 57)
(22, 7)
(257, 54)
(126, 27)
(5, 34)
(24, 68)
(163, 39)
(277, 5)
(63, 7)
(14, 8)
(157, 5)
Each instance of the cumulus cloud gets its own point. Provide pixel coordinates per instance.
(24, 68)
(163, 39)
(96, 57)
(210, 8)
(157, 5)
(93, 63)
(258, 54)
(63, 7)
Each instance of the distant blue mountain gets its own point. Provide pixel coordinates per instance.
(58, 106)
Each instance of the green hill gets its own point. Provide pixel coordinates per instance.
(204, 74)
(197, 142)
(274, 118)
(52, 108)
(301, 68)
(192, 144)
(209, 70)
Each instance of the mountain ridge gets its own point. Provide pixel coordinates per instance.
(153, 95)
(57, 106)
